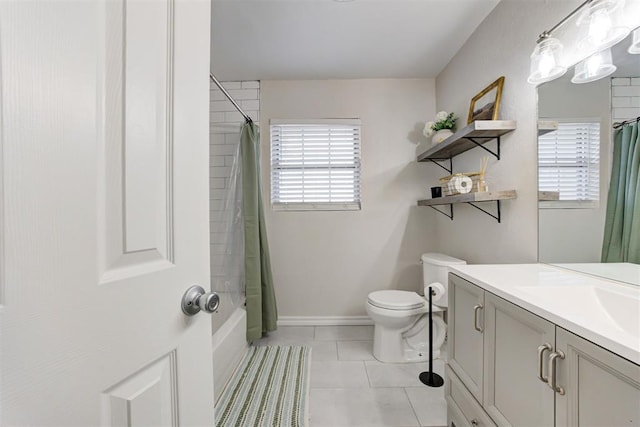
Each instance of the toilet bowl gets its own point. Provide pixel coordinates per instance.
(401, 321)
(401, 318)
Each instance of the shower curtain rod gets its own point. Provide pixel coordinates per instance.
(233, 101)
(626, 122)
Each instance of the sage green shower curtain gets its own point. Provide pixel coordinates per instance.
(261, 300)
(622, 225)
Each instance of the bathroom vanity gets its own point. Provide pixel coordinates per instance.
(538, 345)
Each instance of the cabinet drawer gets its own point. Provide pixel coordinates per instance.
(462, 409)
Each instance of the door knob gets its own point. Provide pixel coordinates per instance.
(196, 299)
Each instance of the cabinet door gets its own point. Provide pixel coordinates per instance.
(466, 302)
(600, 388)
(513, 393)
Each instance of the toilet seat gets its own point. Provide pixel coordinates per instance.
(396, 300)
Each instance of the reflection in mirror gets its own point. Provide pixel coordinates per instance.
(580, 223)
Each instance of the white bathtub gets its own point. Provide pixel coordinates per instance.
(229, 345)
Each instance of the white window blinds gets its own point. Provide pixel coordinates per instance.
(315, 164)
(569, 161)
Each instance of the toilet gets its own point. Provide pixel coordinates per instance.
(401, 318)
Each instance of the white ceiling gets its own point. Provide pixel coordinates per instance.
(328, 39)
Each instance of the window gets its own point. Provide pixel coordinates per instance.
(569, 163)
(315, 164)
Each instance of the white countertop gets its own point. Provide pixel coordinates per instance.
(619, 271)
(602, 311)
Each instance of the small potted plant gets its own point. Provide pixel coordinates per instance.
(441, 129)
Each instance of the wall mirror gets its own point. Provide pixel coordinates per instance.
(575, 160)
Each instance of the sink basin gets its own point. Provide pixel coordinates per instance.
(624, 309)
(617, 306)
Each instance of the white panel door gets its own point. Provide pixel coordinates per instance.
(104, 212)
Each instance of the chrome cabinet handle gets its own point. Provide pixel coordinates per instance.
(195, 299)
(553, 370)
(544, 347)
(476, 309)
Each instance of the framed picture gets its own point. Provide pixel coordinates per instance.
(486, 104)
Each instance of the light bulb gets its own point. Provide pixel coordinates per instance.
(545, 60)
(593, 64)
(599, 26)
(593, 68)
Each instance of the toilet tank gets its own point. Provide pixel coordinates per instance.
(435, 268)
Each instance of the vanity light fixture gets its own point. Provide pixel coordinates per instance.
(600, 26)
(593, 68)
(545, 61)
(635, 44)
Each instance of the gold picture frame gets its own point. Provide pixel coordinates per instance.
(489, 98)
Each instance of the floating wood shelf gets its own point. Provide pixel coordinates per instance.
(470, 198)
(475, 134)
(544, 196)
(546, 126)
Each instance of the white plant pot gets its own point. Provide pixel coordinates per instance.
(440, 136)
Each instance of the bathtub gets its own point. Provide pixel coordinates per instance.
(229, 344)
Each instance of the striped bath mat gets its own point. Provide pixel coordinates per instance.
(269, 388)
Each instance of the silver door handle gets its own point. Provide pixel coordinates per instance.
(553, 370)
(476, 309)
(196, 299)
(544, 347)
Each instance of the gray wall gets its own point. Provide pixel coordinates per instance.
(500, 47)
(325, 263)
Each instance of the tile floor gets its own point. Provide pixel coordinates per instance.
(349, 388)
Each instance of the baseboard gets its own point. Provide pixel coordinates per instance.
(324, 320)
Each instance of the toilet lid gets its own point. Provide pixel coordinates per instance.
(396, 300)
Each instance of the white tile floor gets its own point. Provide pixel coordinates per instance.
(349, 388)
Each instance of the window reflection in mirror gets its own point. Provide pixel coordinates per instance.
(575, 147)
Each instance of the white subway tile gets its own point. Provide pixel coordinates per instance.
(216, 205)
(251, 84)
(217, 183)
(217, 117)
(626, 113)
(217, 194)
(232, 138)
(635, 81)
(241, 94)
(626, 91)
(229, 160)
(222, 106)
(620, 81)
(217, 161)
(250, 105)
(233, 116)
(221, 172)
(216, 139)
(218, 238)
(217, 249)
(217, 95)
(621, 101)
(232, 85)
(223, 150)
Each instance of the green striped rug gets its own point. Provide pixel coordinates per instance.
(269, 388)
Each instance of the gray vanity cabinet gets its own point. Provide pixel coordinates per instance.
(600, 388)
(465, 333)
(499, 368)
(514, 394)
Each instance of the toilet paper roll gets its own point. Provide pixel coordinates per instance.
(462, 184)
(439, 292)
